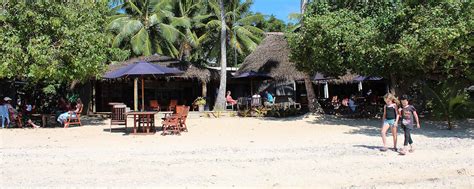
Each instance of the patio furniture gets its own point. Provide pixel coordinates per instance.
(154, 105)
(172, 105)
(145, 121)
(118, 116)
(256, 102)
(242, 102)
(294, 104)
(184, 116)
(172, 124)
(227, 105)
(74, 118)
(42, 117)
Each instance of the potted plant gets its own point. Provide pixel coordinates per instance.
(200, 102)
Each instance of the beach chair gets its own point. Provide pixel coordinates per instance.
(74, 118)
(154, 105)
(172, 105)
(118, 116)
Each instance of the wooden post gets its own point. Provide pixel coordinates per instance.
(204, 88)
(143, 94)
(135, 94)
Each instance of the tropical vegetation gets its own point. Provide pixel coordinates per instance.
(408, 42)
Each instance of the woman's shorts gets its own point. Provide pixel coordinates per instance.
(390, 122)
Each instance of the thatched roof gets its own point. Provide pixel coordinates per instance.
(344, 79)
(272, 57)
(190, 71)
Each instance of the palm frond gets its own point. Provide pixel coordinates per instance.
(251, 20)
(117, 24)
(141, 44)
(134, 7)
(169, 33)
(184, 22)
(131, 27)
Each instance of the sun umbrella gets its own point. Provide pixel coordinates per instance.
(252, 75)
(140, 70)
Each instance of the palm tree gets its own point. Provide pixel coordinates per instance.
(236, 27)
(313, 105)
(220, 101)
(242, 34)
(146, 27)
(189, 18)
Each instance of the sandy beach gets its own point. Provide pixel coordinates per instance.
(301, 152)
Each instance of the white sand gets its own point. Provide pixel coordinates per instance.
(237, 152)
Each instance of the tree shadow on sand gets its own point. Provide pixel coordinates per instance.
(371, 127)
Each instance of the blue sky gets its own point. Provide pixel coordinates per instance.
(280, 8)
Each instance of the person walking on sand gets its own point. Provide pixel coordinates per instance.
(390, 120)
(408, 114)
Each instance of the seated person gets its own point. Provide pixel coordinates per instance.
(269, 97)
(229, 99)
(17, 116)
(335, 102)
(345, 101)
(256, 95)
(71, 113)
(351, 103)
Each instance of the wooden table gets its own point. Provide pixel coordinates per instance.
(43, 117)
(146, 118)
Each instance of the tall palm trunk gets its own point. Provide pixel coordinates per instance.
(220, 101)
(312, 103)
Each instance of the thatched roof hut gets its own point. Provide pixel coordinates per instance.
(190, 71)
(272, 57)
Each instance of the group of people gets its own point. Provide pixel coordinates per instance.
(347, 102)
(9, 114)
(22, 115)
(269, 99)
(393, 112)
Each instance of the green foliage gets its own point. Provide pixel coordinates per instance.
(200, 101)
(52, 41)
(402, 41)
(242, 31)
(275, 111)
(273, 24)
(146, 27)
(449, 100)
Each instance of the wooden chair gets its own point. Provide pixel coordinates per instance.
(154, 105)
(171, 125)
(74, 118)
(184, 116)
(118, 116)
(173, 104)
